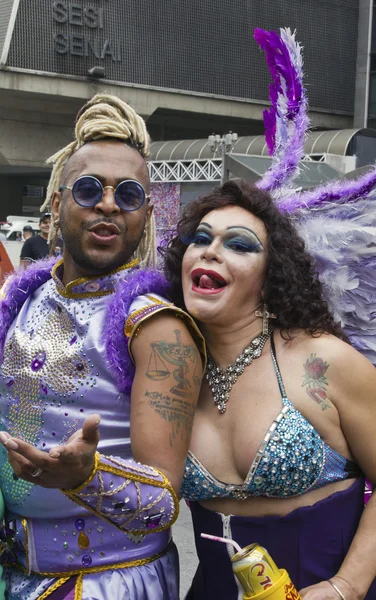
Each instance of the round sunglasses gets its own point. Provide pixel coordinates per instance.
(87, 191)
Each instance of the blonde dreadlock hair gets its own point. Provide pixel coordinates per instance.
(105, 117)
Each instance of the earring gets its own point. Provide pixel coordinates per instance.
(54, 238)
(265, 315)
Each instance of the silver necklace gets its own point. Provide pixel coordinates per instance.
(221, 380)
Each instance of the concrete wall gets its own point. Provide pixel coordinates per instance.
(28, 143)
(37, 112)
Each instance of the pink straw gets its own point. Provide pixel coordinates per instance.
(224, 540)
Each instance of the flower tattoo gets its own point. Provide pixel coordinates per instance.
(315, 381)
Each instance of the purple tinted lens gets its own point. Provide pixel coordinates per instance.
(87, 191)
(129, 195)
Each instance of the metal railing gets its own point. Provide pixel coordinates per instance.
(168, 171)
(185, 170)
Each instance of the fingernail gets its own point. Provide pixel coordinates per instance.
(4, 437)
(11, 444)
(54, 454)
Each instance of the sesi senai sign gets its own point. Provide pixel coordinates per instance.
(184, 44)
(76, 25)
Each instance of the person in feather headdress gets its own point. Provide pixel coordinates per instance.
(284, 432)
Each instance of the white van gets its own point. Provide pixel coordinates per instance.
(11, 235)
(13, 226)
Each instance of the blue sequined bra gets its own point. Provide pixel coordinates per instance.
(292, 460)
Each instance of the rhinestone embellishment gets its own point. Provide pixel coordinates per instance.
(221, 380)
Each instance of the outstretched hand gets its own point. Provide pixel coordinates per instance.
(65, 466)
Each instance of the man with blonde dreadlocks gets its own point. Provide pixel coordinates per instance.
(98, 371)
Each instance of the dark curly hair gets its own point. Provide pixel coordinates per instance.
(291, 289)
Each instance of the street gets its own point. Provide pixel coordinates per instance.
(183, 537)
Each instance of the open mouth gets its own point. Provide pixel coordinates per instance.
(207, 281)
(105, 230)
(104, 233)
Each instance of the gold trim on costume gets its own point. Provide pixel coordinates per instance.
(78, 587)
(66, 292)
(87, 570)
(158, 301)
(53, 587)
(165, 484)
(130, 324)
(130, 332)
(76, 490)
(26, 544)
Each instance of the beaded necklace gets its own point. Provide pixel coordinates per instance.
(221, 380)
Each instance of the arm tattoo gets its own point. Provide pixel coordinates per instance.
(315, 381)
(180, 358)
(176, 411)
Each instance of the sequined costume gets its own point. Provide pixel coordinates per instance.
(292, 460)
(111, 536)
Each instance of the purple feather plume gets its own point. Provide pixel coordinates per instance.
(116, 343)
(17, 288)
(338, 192)
(342, 239)
(286, 122)
(270, 117)
(284, 76)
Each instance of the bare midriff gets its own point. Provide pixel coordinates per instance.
(266, 507)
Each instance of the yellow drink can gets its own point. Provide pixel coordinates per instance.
(255, 570)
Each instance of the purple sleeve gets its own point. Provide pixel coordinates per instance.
(134, 497)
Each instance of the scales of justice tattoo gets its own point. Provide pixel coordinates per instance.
(183, 356)
(174, 407)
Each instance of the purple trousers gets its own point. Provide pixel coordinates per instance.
(310, 543)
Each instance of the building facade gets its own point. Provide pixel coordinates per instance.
(190, 67)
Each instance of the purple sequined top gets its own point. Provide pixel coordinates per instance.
(54, 375)
(65, 356)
